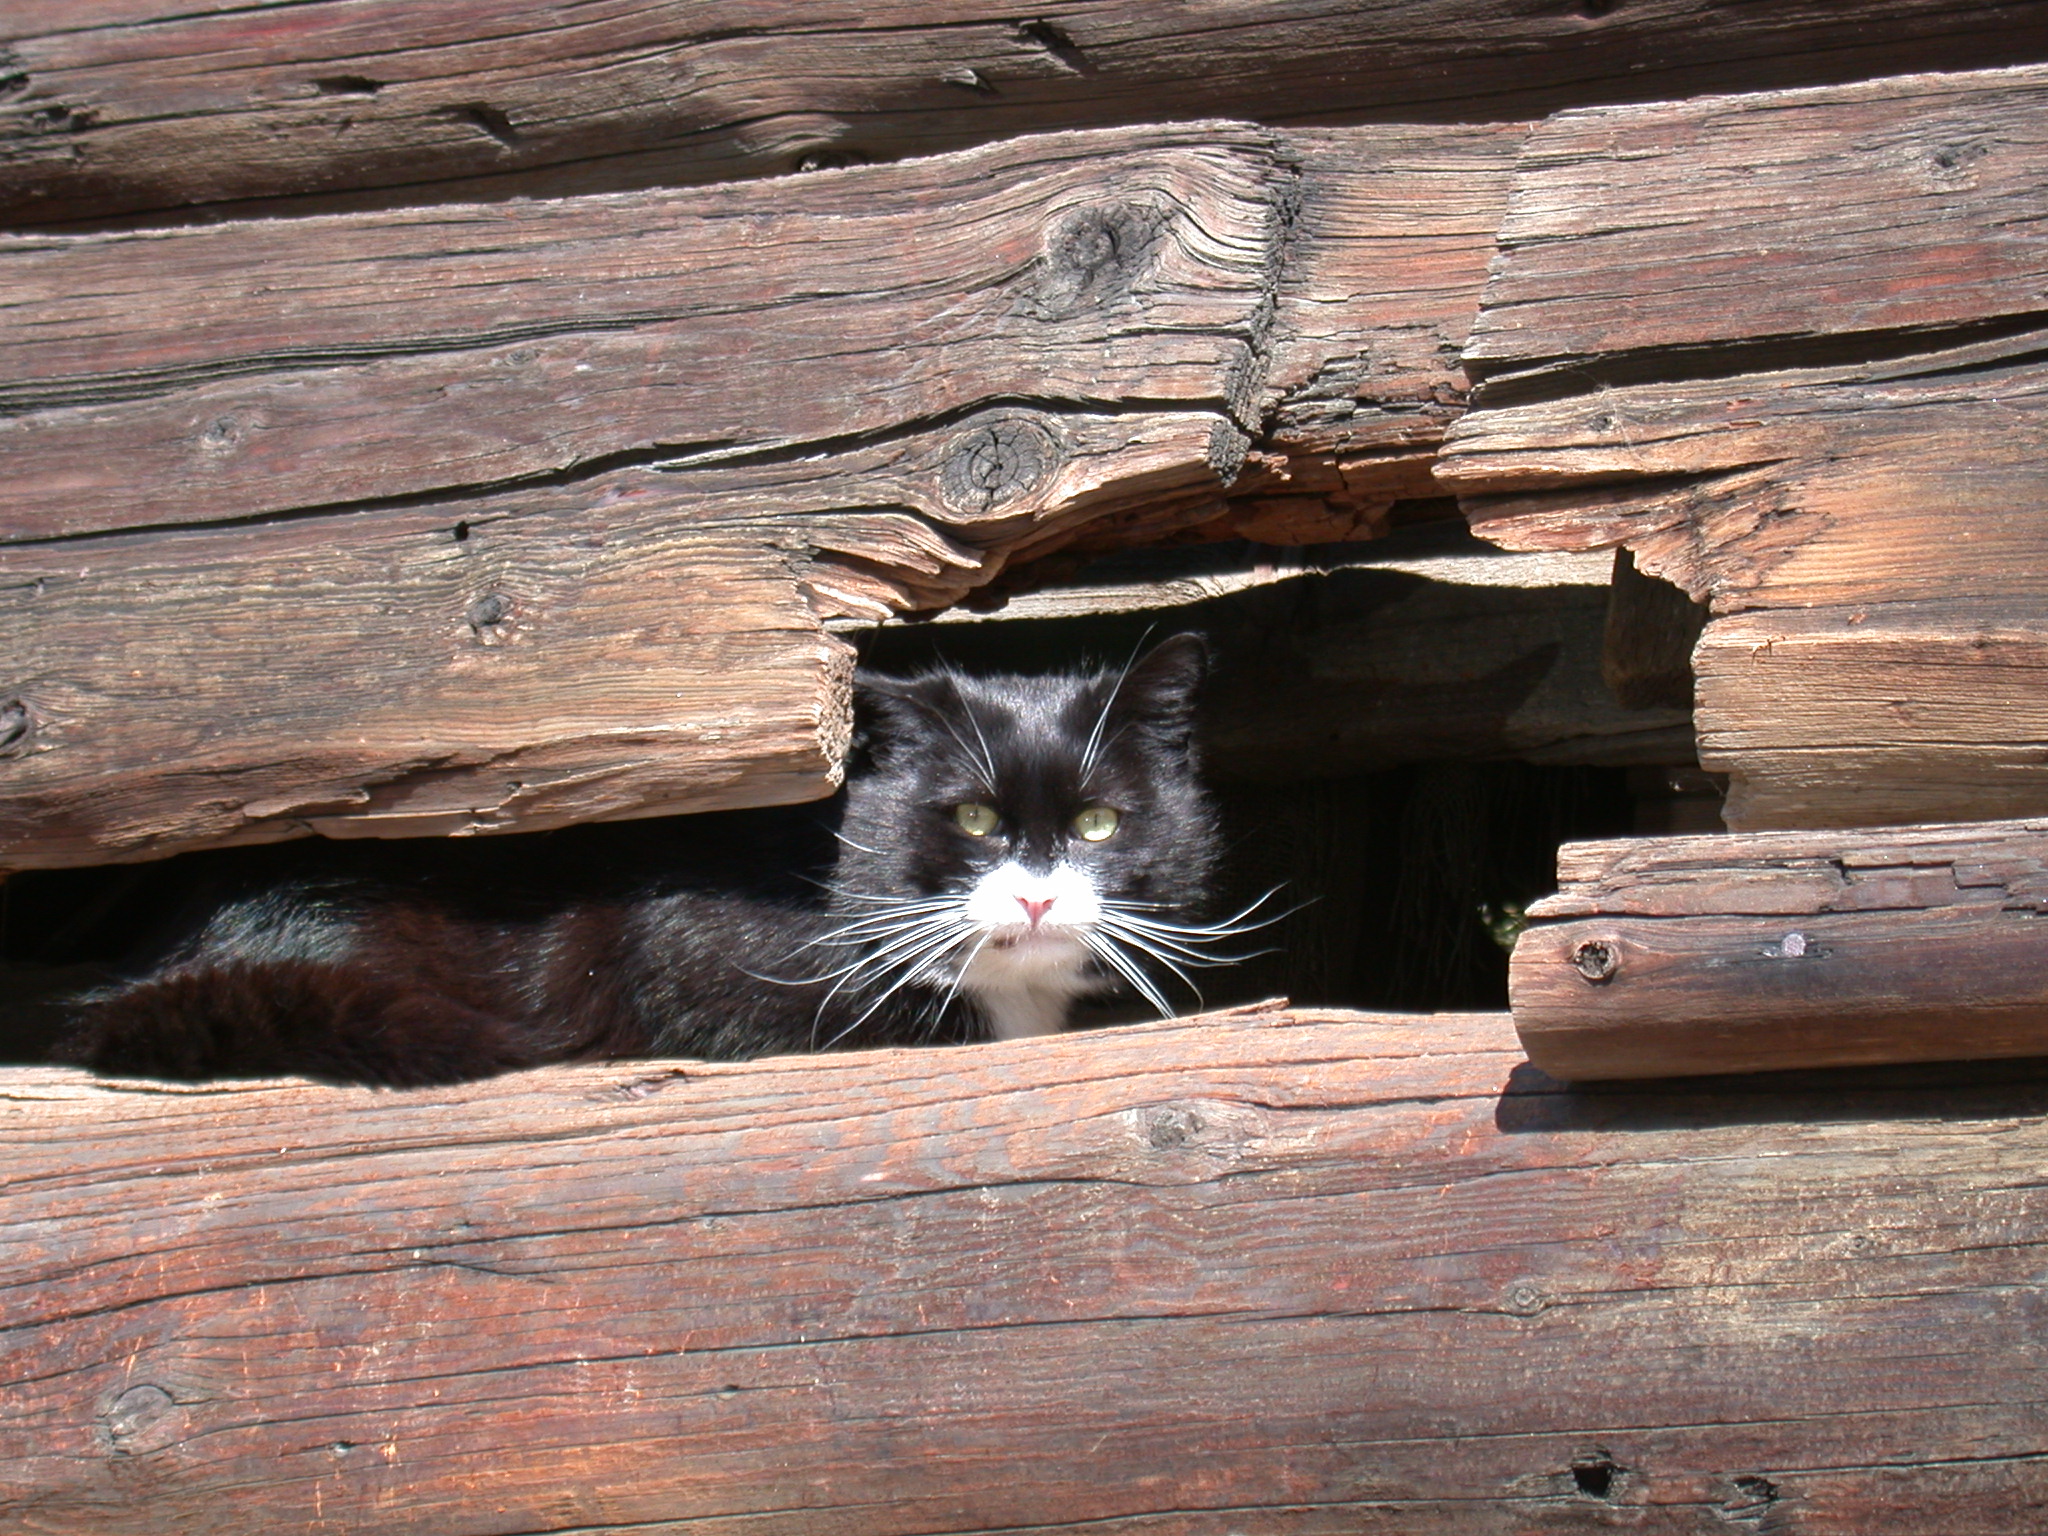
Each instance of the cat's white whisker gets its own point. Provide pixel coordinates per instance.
(1106, 947)
(888, 949)
(863, 929)
(1222, 927)
(911, 967)
(1094, 745)
(879, 952)
(988, 759)
(1166, 950)
(1171, 961)
(983, 761)
(960, 974)
(1190, 948)
(863, 847)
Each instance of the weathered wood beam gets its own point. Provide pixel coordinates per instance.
(494, 517)
(120, 105)
(1298, 1273)
(1749, 952)
(1809, 392)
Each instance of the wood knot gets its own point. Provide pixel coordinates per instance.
(1596, 959)
(1524, 1300)
(222, 434)
(997, 461)
(129, 1418)
(487, 612)
(18, 724)
(1095, 256)
(1952, 167)
(1171, 1126)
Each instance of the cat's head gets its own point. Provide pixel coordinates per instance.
(1045, 830)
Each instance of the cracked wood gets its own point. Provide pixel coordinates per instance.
(1808, 390)
(123, 105)
(1057, 1285)
(1749, 952)
(483, 518)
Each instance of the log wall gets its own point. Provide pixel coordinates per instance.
(108, 107)
(1297, 1273)
(484, 518)
(437, 472)
(1809, 392)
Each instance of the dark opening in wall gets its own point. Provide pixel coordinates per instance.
(1399, 735)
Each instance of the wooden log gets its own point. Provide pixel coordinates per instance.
(1809, 393)
(1673, 955)
(137, 105)
(492, 518)
(1297, 1273)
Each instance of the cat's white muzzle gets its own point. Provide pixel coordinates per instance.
(1029, 962)
(1014, 903)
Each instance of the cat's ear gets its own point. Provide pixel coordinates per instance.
(892, 715)
(1158, 692)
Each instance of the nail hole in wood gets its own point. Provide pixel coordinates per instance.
(1594, 1475)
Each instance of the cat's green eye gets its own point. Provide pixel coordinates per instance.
(1097, 823)
(975, 820)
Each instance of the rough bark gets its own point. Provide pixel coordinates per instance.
(495, 517)
(1749, 952)
(1808, 391)
(121, 105)
(1298, 1273)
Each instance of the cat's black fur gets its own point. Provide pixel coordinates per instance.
(716, 936)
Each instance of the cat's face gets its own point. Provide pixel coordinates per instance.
(1023, 838)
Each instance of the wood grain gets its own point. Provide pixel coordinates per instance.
(122, 105)
(475, 518)
(1809, 392)
(1043, 1286)
(554, 417)
(1891, 205)
(291, 365)
(1742, 953)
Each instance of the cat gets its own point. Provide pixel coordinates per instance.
(1004, 847)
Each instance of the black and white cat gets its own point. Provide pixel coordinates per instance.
(1004, 846)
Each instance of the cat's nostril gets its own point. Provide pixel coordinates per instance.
(1035, 909)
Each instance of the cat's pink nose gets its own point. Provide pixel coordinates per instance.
(1035, 910)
